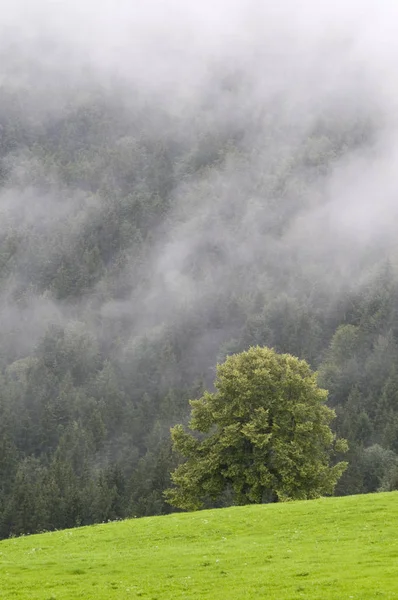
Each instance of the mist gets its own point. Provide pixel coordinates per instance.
(264, 77)
(181, 181)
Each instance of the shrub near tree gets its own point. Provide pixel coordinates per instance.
(262, 436)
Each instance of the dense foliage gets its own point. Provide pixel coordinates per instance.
(267, 435)
(138, 247)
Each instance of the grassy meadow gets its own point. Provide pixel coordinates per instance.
(340, 548)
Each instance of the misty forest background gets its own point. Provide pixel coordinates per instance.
(143, 238)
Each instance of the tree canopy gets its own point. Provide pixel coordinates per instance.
(263, 436)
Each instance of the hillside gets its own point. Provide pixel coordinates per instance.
(177, 186)
(335, 548)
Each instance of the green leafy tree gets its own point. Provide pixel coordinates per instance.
(263, 436)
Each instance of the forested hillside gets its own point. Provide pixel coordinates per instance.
(147, 231)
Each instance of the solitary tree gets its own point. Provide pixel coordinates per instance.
(263, 436)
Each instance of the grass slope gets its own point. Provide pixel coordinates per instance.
(341, 548)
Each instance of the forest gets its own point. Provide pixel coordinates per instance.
(147, 234)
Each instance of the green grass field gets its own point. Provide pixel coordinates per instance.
(341, 548)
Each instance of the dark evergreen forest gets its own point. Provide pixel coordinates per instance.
(144, 237)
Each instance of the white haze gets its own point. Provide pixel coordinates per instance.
(306, 58)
